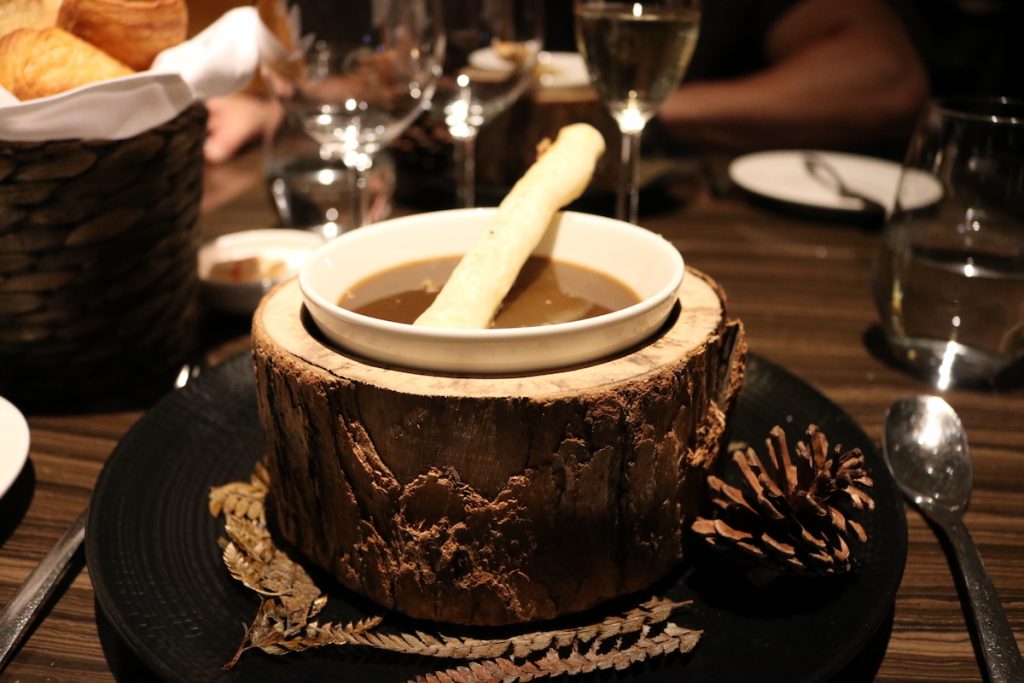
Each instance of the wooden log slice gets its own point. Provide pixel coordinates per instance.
(494, 500)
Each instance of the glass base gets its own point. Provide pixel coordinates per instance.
(948, 364)
(308, 193)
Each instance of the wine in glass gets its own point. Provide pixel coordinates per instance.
(636, 53)
(491, 54)
(352, 75)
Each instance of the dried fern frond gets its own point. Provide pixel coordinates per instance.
(242, 499)
(243, 569)
(668, 638)
(290, 599)
(251, 538)
(654, 611)
(252, 558)
(276, 631)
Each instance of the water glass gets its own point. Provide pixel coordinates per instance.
(310, 186)
(352, 75)
(950, 279)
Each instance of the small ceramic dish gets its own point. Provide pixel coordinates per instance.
(642, 260)
(237, 269)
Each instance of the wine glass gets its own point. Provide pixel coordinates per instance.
(352, 75)
(492, 48)
(636, 53)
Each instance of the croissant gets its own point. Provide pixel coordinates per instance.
(37, 63)
(15, 14)
(133, 31)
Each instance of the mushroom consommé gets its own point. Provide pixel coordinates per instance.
(546, 292)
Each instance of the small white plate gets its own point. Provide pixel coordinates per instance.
(781, 175)
(13, 444)
(293, 247)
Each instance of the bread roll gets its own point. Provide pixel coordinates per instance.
(37, 63)
(15, 14)
(133, 31)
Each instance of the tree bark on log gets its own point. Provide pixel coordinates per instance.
(494, 500)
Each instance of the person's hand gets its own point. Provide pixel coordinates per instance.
(234, 122)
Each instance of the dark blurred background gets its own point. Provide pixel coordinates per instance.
(968, 46)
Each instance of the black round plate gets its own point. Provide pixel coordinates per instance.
(151, 547)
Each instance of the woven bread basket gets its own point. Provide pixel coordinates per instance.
(98, 279)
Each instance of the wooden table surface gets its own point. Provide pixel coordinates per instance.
(802, 287)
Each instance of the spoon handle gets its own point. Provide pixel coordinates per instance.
(999, 649)
(19, 614)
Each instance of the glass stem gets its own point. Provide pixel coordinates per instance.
(358, 174)
(465, 169)
(627, 204)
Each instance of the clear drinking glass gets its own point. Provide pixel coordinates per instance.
(491, 55)
(950, 279)
(312, 190)
(636, 53)
(352, 75)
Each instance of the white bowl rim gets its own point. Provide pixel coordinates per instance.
(489, 334)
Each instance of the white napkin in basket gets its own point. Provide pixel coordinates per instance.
(218, 61)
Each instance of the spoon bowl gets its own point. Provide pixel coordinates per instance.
(925, 447)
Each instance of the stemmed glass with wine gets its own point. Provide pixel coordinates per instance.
(636, 53)
(491, 54)
(352, 75)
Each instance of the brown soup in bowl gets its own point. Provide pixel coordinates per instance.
(546, 292)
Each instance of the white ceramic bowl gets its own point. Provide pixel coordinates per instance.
(644, 261)
(293, 247)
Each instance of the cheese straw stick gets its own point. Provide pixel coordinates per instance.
(480, 281)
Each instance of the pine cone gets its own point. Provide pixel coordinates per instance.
(785, 515)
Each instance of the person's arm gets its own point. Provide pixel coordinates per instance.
(842, 73)
(235, 121)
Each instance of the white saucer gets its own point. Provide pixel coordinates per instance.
(781, 175)
(13, 444)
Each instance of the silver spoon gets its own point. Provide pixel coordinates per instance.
(926, 450)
